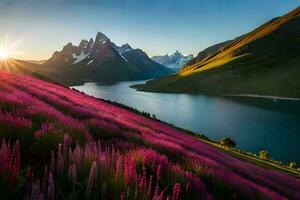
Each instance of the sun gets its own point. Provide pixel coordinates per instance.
(3, 53)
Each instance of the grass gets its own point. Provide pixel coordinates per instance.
(265, 62)
(254, 159)
(133, 148)
(243, 155)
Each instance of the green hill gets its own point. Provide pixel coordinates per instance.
(265, 61)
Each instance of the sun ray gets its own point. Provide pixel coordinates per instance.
(4, 54)
(9, 48)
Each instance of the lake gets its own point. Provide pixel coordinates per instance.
(253, 123)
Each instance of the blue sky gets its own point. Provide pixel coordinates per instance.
(37, 28)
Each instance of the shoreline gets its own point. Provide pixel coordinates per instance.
(262, 97)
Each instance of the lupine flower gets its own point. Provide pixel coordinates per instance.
(51, 188)
(14, 120)
(161, 195)
(60, 160)
(149, 190)
(129, 170)
(4, 158)
(122, 196)
(72, 174)
(103, 191)
(156, 193)
(15, 160)
(41, 197)
(77, 156)
(176, 192)
(66, 142)
(45, 179)
(52, 163)
(158, 173)
(28, 184)
(62, 111)
(143, 180)
(92, 180)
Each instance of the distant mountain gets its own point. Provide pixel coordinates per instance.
(174, 61)
(265, 61)
(101, 61)
(39, 62)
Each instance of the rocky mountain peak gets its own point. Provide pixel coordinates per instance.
(68, 47)
(101, 38)
(173, 61)
(125, 48)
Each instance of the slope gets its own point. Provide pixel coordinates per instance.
(265, 61)
(73, 144)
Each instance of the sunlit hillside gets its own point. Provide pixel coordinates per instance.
(264, 61)
(59, 143)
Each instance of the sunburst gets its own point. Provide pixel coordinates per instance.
(4, 53)
(8, 50)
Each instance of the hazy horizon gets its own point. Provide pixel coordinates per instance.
(34, 30)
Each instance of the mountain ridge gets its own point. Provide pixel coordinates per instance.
(264, 62)
(101, 61)
(174, 61)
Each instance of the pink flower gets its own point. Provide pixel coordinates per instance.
(158, 172)
(4, 158)
(143, 180)
(52, 163)
(60, 160)
(51, 188)
(122, 196)
(72, 174)
(92, 180)
(45, 179)
(176, 192)
(28, 183)
(76, 156)
(66, 142)
(16, 160)
(156, 193)
(149, 190)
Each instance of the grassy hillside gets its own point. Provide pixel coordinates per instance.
(21, 67)
(58, 143)
(265, 61)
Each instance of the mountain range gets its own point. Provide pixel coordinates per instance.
(174, 61)
(265, 61)
(98, 60)
(102, 61)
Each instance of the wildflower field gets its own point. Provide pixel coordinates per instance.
(57, 143)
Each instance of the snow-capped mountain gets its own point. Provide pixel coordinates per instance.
(174, 61)
(124, 48)
(102, 61)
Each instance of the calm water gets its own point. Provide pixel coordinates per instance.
(254, 123)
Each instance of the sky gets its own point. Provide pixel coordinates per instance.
(34, 29)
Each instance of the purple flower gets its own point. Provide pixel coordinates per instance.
(92, 180)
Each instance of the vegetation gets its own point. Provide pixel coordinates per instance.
(227, 142)
(264, 62)
(293, 165)
(66, 145)
(264, 154)
(247, 156)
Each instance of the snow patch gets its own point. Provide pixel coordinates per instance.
(90, 62)
(80, 57)
(123, 57)
(124, 48)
